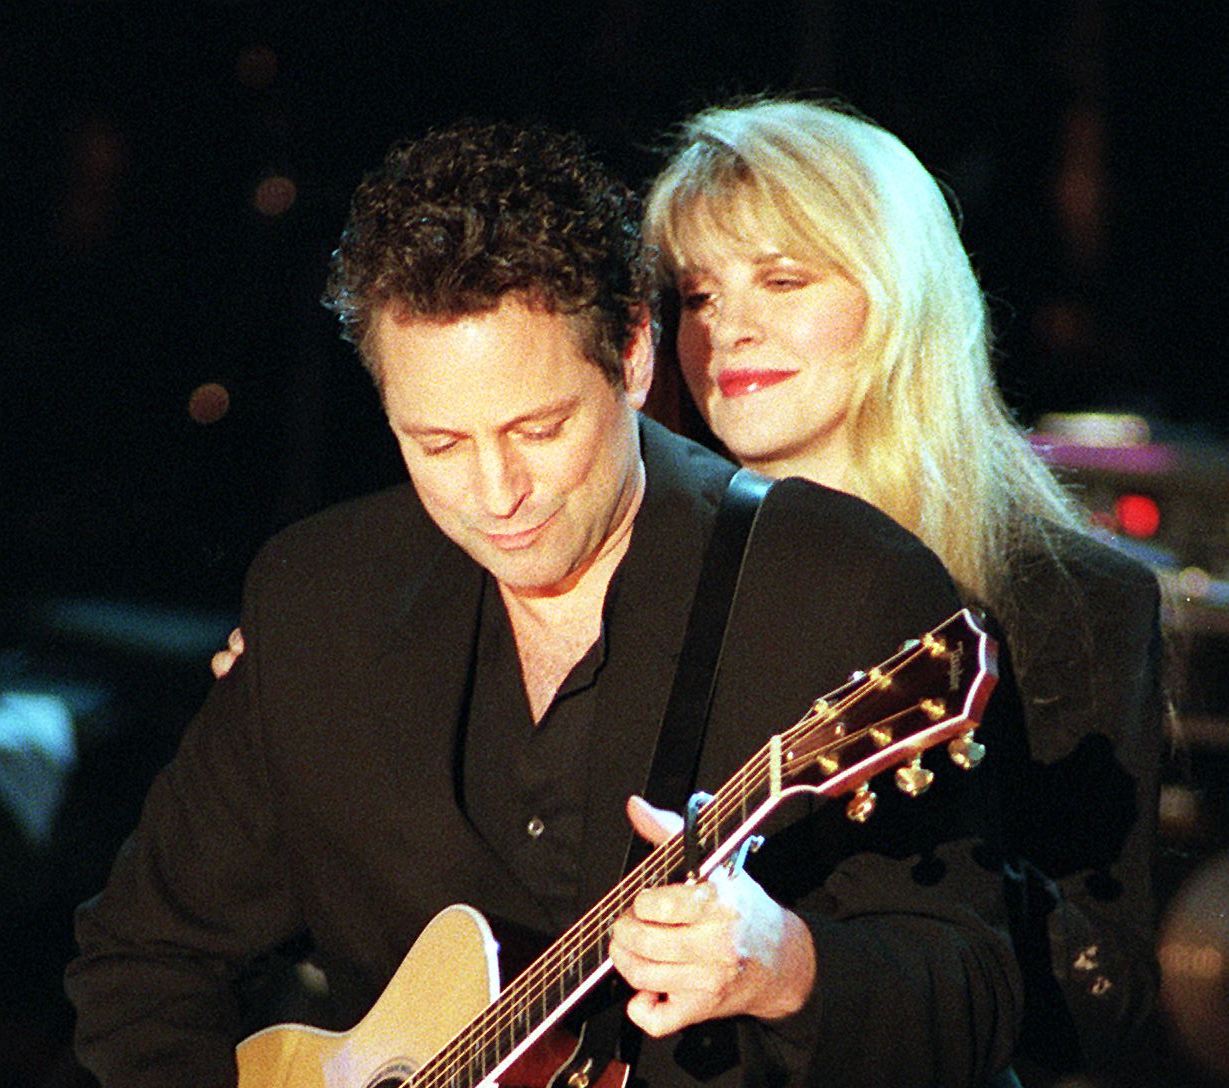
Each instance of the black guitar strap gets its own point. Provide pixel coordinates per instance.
(681, 735)
(607, 1033)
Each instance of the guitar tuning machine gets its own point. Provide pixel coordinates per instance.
(861, 804)
(580, 1078)
(966, 752)
(913, 779)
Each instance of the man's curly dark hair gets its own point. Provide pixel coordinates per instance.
(456, 220)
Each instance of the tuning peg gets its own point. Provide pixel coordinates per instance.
(878, 678)
(934, 709)
(934, 645)
(966, 753)
(913, 779)
(861, 804)
(881, 735)
(828, 763)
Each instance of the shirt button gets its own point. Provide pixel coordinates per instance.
(535, 827)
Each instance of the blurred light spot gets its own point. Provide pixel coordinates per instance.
(208, 403)
(256, 67)
(1193, 952)
(1194, 582)
(1180, 812)
(1096, 428)
(177, 634)
(98, 162)
(1181, 960)
(1138, 515)
(275, 195)
(38, 750)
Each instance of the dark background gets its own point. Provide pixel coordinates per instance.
(141, 145)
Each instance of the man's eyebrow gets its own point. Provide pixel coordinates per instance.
(545, 411)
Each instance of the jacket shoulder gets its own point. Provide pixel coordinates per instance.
(821, 533)
(1096, 568)
(347, 538)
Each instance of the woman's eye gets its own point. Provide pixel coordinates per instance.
(695, 300)
(786, 283)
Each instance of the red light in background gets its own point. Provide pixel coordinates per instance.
(208, 403)
(1138, 515)
(275, 195)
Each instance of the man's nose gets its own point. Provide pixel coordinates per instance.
(503, 480)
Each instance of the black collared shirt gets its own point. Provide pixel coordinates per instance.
(524, 785)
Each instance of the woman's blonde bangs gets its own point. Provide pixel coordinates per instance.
(731, 205)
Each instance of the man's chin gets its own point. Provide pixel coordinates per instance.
(525, 570)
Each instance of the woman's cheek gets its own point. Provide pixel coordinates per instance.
(692, 346)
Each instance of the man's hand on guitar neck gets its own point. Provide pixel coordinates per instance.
(720, 947)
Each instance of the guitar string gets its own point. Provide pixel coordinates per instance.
(591, 930)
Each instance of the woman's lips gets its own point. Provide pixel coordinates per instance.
(738, 383)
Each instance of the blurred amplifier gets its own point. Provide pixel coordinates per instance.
(1165, 500)
(1170, 496)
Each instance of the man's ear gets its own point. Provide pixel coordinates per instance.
(638, 361)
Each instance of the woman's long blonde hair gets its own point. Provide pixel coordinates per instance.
(933, 443)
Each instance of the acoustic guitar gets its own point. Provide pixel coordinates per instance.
(443, 1022)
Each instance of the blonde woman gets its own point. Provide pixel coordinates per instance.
(828, 324)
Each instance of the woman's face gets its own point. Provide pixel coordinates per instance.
(764, 343)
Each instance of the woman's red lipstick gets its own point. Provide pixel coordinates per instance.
(738, 383)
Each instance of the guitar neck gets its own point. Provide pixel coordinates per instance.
(575, 962)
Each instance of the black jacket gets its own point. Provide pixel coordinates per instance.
(1080, 711)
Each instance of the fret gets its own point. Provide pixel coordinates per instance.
(475, 1068)
(505, 1041)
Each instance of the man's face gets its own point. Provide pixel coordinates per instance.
(518, 446)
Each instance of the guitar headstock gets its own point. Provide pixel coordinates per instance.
(931, 691)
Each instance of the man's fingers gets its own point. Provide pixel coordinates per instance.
(655, 825)
(657, 1016)
(712, 978)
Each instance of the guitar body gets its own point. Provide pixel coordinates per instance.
(446, 979)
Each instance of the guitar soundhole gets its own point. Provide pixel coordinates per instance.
(394, 1075)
